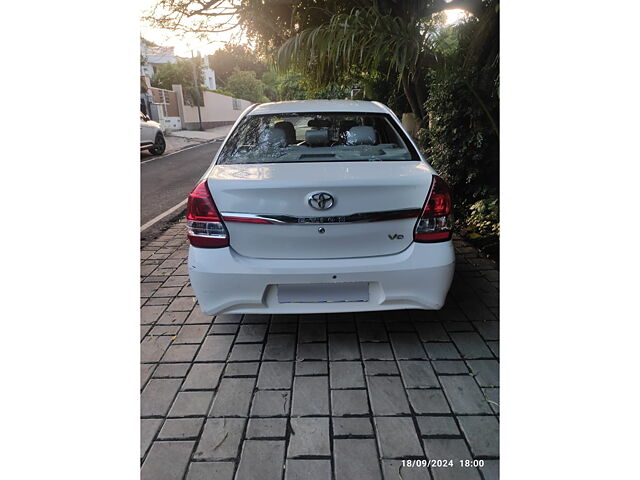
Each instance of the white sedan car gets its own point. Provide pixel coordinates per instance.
(319, 206)
(151, 136)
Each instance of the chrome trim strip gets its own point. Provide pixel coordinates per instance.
(337, 219)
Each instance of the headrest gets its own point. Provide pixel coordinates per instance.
(317, 138)
(289, 131)
(319, 123)
(346, 125)
(275, 137)
(364, 135)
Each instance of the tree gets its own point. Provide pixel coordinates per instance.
(234, 56)
(179, 73)
(245, 85)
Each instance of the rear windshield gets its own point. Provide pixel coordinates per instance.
(317, 137)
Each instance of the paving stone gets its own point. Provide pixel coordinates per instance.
(203, 376)
(149, 315)
(464, 395)
(458, 327)
(418, 374)
(228, 318)
(255, 318)
(349, 402)
(376, 351)
(146, 370)
(144, 329)
(309, 437)
(158, 396)
(346, 375)
(166, 292)
(245, 352)
(283, 328)
(343, 346)
(491, 470)
(197, 317)
(471, 345)
(169, 330)
(214, 347)
(450, 448)
(220, 439)
(475, 310)
(192, 334)
(275, 375)
(157, 301)
(251, 333)
(492, 396)
(387, 396)
(356, 459)
(312, 368)
(428, 402)
(171, 370)
(152, 348)
(267, 428)
(180, 353)
(312, 351)
(442, 351)
(495, 348)
(407, 346)
(394, 470)
(166, 461)
(180, 428)
(487, 372)
(397, 437)
(148, 429)
(270, 403)
(241, 369)
(483, 435)
(264, 456)
(450, 367)
(210, 471)
(437, 426)
(310, 396)
(176, 281)
(233, 397)
(372, 332)
(223, 329)
(432, 332)
(488, 330)
(312, 332)
(280, 347)
(189, 404)
(384, 367)
(181, 304)
(308, 470)
(352, 426)
(172, 318)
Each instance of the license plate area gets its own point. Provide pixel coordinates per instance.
(324, 292)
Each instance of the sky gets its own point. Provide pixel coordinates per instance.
(184, 45)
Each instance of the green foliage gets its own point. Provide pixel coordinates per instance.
(235, 57)
(484, 218)
(245, 85)
(178, 73)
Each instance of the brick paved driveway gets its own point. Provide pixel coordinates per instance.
(341, 396)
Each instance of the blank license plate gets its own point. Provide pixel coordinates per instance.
(324, 293)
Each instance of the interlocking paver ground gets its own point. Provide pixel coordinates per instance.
(331, 397)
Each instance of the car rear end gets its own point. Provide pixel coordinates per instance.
(320, 211)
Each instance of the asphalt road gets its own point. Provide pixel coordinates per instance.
(166, 181)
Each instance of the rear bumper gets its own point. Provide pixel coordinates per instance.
(225, 282)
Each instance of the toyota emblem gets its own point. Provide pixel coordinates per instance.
(321, 200)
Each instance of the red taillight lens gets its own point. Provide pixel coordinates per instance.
(204, 224)
(434, 225)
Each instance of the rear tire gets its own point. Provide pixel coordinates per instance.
(159, 145)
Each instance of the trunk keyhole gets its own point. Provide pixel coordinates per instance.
(321, 230)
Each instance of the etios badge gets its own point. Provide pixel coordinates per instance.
(320, 200)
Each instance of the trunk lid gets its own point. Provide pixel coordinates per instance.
(373, 211)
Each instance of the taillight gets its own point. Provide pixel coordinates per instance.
(434, 225)
(204, 224)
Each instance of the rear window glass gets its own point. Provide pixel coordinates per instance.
(317, 137)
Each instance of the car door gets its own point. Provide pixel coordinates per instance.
(147, 132)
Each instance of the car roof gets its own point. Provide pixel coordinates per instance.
(316, 106)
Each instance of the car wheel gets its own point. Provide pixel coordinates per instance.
(159, 145)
